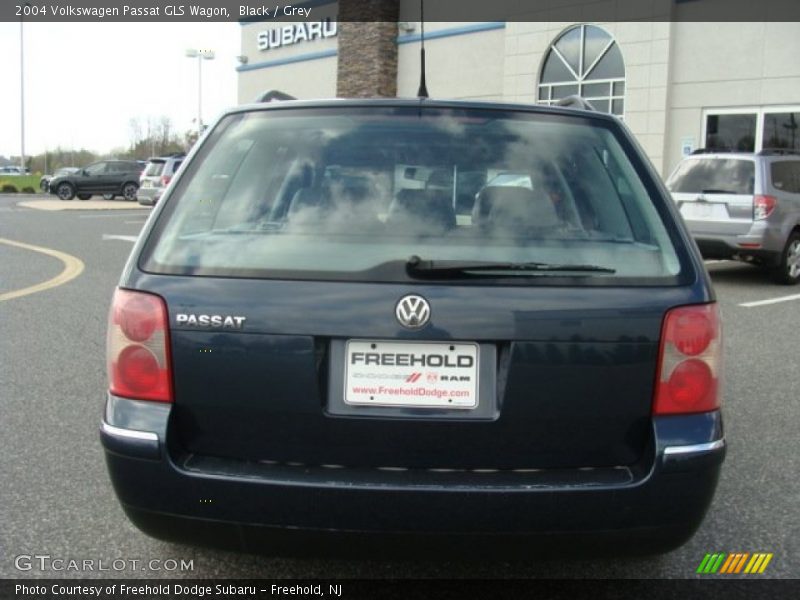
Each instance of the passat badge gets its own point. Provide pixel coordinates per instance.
(212, 321)
(413, 311)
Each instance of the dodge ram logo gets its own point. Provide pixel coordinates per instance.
(413, 311)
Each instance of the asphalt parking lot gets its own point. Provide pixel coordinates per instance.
(56, 498)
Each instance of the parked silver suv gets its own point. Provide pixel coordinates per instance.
(156, 176)
(743, 206)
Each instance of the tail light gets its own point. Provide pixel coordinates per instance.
(137, 351)
(165, 179)
(763, 207)
(689, 361)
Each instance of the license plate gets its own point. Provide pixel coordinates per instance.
(411, 374)
(146, 183)
(703, 210)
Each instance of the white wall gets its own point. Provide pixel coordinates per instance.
(674, 69)
(728, 65)
(306, 79)
(645, 48)
(468, 66)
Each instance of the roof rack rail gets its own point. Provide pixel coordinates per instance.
(576, 101)
(274, 95)
(769, 151)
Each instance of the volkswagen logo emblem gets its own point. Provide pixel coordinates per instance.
(413, 311)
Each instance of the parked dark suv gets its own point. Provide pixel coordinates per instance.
(107, 177)
(318, 337)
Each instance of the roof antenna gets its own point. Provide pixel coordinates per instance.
(422, 92)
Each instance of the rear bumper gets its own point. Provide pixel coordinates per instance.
(762, 242)
(148, 196)
(279, 508)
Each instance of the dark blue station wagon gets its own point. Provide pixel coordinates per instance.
(412, 320)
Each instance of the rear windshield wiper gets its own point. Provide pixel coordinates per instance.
(416, 267)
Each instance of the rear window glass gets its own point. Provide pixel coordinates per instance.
(154, 168)
(713, 176)
(353, 194)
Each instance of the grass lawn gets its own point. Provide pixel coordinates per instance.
(19, 182)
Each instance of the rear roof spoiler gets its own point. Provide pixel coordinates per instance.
(166, 156)
(273, 96)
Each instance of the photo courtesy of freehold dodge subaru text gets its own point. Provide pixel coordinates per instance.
(415, 324)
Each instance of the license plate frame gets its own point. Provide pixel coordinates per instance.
(704, 211)
(443, 376)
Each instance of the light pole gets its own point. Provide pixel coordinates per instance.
(22, 98)
(200, 55)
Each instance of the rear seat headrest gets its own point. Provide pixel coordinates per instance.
(514, 207)
(423, 210)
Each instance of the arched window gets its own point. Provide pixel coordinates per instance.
(584, 60)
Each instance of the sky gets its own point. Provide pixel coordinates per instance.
(85, 81)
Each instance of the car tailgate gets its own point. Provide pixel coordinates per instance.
(722, 214)
(569, 373)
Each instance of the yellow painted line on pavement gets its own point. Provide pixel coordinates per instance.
(72, 268)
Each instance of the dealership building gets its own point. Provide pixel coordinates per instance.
(679, 82)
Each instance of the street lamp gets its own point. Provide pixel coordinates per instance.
(200, 55)
(21, 98)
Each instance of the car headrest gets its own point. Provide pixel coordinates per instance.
(308, 205)
(514, 208)
(423, 211)
(352, 190)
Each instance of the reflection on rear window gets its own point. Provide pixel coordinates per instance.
(713, 176)
(353, 193)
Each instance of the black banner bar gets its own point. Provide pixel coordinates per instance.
(731, 588)
(244, 11)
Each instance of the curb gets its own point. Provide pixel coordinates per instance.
(61, 205)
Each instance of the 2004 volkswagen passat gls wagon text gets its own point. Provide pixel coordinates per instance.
(391, 321)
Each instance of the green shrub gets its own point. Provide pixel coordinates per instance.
(8, 189)
(28, 190)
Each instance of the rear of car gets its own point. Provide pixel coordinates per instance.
(743, 206)
(156, 177)
(394, 320)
